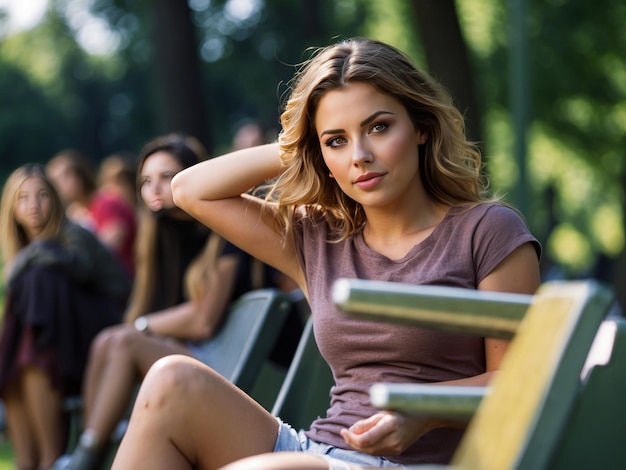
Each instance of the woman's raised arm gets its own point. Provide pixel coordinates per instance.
(224, 177)
(213, 193)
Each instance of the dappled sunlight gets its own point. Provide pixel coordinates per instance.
(394, 29)
(569, 247)
(479, 20)
(582, 195)
(615, 70)
(34, 54)
(606, 224)
(501, 165)
(578, 111)
(551, 161)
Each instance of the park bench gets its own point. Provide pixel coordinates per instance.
(553, 405)
(242, 346)
(305, 391)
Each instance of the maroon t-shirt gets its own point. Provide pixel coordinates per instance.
(464, 248)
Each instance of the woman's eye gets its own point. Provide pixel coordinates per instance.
(378, 127)
(335, 142)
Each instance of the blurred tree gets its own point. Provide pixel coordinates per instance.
(179, 81)
(448, 59)
(48, 86)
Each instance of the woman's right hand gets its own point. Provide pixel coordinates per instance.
(387, 432)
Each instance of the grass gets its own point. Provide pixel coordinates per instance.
(6, 456)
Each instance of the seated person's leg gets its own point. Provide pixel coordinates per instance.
(44, 407)
(20, 429)
(187, 415)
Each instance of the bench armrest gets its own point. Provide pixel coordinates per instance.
(492, 314)
(445, 401)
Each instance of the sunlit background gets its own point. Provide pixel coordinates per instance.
(82, 73)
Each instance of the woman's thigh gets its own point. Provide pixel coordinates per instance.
(187, 411)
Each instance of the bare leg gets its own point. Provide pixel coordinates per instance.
(43, 404)
(20, 430)
(187, 415)
(282, 461)
(119, 359)
(98, 356)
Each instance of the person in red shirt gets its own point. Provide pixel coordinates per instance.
(111, 218)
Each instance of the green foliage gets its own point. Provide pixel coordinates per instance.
(59, 95)
(398, 27)
(577, 102)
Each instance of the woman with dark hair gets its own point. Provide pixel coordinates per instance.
(373, 178)
(62, 287)
(185, 279)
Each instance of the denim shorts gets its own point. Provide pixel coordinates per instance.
(290, 440)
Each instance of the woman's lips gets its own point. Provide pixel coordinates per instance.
(369, 180)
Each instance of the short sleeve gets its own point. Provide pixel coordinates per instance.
(500, 231)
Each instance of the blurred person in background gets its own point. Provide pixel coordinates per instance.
(62, 287)
(106, 214)
(186, 278)
(117, 174)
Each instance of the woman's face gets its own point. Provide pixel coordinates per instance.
(66, 181)
(369, 144)
(33, 206)
(156, 178)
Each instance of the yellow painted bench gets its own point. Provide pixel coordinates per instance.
(539, 411)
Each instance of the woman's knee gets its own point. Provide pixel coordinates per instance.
(180, 376)
(100, 345)
(118, 340)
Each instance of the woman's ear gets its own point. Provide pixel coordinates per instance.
(422, 136)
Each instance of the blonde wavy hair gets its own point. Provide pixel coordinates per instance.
(450, 166)
(12, 235)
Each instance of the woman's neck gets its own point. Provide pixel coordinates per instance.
(394, 233)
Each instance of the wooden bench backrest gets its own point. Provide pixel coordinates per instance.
(519, 422)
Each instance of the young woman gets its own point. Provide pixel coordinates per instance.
(186, 277)
(63, 286)
(375, 180)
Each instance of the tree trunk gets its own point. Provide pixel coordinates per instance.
(447, 58)
(180, 91)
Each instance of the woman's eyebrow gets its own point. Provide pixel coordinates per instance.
(373, 116)
(365, 122)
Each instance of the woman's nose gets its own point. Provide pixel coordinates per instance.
(361, 153)
(157, 187)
